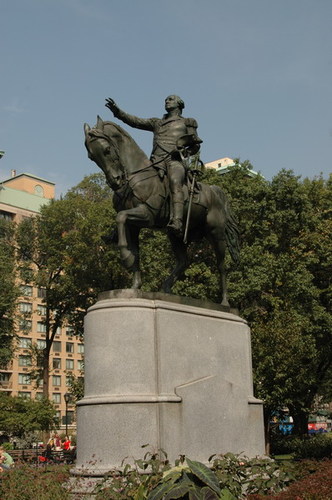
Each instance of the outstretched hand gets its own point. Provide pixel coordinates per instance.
(110, 104)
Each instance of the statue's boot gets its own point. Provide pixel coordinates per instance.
(175, 225)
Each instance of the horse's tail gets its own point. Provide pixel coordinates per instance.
(232, 232)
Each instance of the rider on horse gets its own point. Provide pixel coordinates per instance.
(170, 132)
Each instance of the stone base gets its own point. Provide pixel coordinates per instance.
(168, 372)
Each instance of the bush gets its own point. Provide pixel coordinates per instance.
(316, 485)
(314, 447)
(229, 477)
(25, 482)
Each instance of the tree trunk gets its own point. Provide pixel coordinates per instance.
(46, 372)
(267, 419)
(300, 418)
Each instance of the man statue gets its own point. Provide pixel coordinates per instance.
(171, 133)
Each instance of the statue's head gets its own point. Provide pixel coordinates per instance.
(173, 102)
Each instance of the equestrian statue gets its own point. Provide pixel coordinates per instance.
(162, 192)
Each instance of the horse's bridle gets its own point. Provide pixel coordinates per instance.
(95, 134)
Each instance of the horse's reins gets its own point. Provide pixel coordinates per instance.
(98, 134)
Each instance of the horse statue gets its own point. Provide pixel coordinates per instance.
(142, 200)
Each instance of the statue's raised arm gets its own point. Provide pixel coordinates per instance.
(111, 104)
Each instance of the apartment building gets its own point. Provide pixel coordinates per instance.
(224, 165)
(22, 196)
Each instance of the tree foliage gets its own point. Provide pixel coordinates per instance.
(62, 252)
(19, 416)
(283, 283)
(8, 291)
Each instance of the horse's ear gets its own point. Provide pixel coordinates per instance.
(86, 129)
(100, 123)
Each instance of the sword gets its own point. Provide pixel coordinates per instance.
(191, 195)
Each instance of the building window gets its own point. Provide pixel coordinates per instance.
(69, 380)
(69, 347)
(24, 379)
(69, 364)
(57, 363)
(80, 364)
(24, 395)
(56, 380)
(26, 274)
(41, 344)
(24, 360)
(25, 325)
(6, 215)
(41, 327)
(39, 190)
(5, 377)
(68, 418)
(25, 307)
(70, 332)
(24, 343)
(41, 293)
(39, 396)
(56, 346)
(56, 397)
(80, 348)
(26, 290)
(41, 310)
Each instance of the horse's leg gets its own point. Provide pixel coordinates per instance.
(132, 233)
(138, 216)
(216, 235)
(180, 252)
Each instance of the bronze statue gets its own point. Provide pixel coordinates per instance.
(142, 199)
(167, 131)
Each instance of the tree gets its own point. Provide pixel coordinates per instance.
(8, 291)
(63, 250)
(283, 286)
(19, 416)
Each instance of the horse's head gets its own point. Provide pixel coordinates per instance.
(114, 151)
(102, 143)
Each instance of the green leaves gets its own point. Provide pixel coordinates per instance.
(192, 478)
(19, 416)
(204, 474)
(8, 291)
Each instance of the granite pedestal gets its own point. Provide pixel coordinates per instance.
(169, 372)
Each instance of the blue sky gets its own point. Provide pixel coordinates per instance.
(255, 74)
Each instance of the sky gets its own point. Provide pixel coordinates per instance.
(255, 74)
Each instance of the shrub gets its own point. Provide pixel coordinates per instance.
(315, 447)
(316, 485)
(229, 477)
(25, 482)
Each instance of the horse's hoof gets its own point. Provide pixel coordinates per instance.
(137, 283)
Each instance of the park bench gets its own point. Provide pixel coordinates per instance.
(32, 456)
